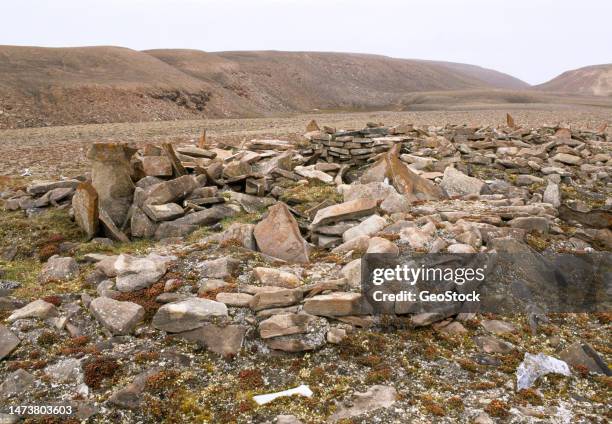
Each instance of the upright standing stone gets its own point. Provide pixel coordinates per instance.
(85, 206)
(278, 235)
(111, 177)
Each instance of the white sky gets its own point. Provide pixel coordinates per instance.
(534, 40)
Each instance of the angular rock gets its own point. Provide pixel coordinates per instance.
(567, 159)
(456, 183)
(130, 396)
(234, 299)
(535, 366)
(171, 191)
(16, 383)
(284, 325)
(225, 341)
(275, 277)
(311, 173)
(65, 371)
(188, 315)
(42, 187)
(404, 180)
(531, 223)
(85, 206)
(36, 309)
(374, 398)
(368, 227)
(8, 342)
(157, 166)
(552, 195)
(141, 225)
(165, 212)
(278, 235)
(334, 304)
(59, 269)
(239, 233)
(579, 354)
(120, 318)
(111, 178)
(218, 268)
(344, 211)
(137, 273)
(275, 299)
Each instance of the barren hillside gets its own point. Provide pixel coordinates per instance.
(58, 86)
(591, 80)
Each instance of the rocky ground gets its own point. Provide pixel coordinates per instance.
(179, 283)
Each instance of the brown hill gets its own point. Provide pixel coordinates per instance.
(591, 80)
(58, 86)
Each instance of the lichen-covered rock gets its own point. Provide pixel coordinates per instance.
(59, 269)
(118, 317)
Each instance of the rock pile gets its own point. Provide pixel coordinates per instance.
(288, 280)
(354, 147)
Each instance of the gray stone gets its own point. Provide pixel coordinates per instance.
(531, 223)
(42, 187)
(85, 207)
(171, 191)
(218, 268)
(119, 318)
(552, 195)
(374, 190)
(234, 299)
(374, 398)
(129, 397)
(225, 341)
(36, 309)
(579, 354)
(567, 159)
(65, 371)
(535, 366)
(456, 183)
(284, 325)
(490, 344)
(395, 203)
(111, 178)
(136, 273)
(165, 212)
(8, 342)
(16, 383)
(498, 327)
(59, 269)
(188, 314)
(140, 224)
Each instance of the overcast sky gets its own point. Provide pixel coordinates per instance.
(534, 40)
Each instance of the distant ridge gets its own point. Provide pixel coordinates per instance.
(60, 86)
(593, 80)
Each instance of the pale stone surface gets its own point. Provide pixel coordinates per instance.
(278, 235)
(118, 317)
(375, 397)
(36, 309)
(368, 227)
(8, 342)
(334, 304)
(59, 269)
(188, 314)
(456, 183)
(275, 277)
(343, 211)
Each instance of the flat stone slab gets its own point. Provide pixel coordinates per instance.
(119, 318)
(188, 314)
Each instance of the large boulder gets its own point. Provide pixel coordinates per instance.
(278, 235)
(111, 177)
(36, 309)
(188, 314)
(85, 206)
(119, 318)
